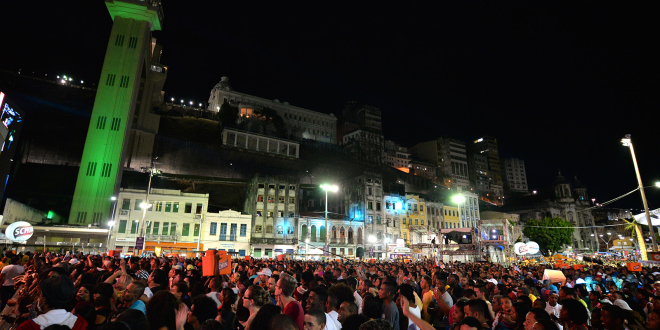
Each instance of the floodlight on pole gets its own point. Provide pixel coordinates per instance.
(372, 239)
(627, 141)
(327, 188)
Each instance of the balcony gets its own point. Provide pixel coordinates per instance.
(262, 240)
(166, 238)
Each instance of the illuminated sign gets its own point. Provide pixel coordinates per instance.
(9, 116)
(19, 231)
(526, 248)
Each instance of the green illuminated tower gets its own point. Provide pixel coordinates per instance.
(128, 63)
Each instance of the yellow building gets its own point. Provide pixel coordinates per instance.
(413, 219)
(452, 219)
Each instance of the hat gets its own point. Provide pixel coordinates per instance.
(265, 271)
(142, 274)
(57, 291)
(606, 301)
(74, 261)
(492, 280)
(177, 267)
(622, 304)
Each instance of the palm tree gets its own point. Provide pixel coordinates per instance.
(636, 227)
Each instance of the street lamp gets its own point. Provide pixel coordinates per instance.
(111, 224)
(626, 141)
(387, 248)
(327, 188)
(306, 248)
(459, 199)
(372, 240)
(145, 205)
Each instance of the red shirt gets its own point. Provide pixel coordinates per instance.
(295, 311)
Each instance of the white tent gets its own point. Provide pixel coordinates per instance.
(655, 217)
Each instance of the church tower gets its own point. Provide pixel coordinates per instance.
(127, 63)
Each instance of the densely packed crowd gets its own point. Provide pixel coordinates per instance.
(75, 291)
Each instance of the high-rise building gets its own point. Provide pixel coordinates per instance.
(450, 157)
(360, 133)
(479, 174)
(514, 176)
(487, 146)
(126, 85)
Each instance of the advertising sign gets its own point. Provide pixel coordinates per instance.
(19, 231)
(526, 248)
(224, 265)
(139, 243)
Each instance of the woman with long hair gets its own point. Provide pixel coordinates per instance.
(254, 298)
(514, 318)
(102, 298)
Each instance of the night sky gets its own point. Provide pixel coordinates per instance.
(557, 84)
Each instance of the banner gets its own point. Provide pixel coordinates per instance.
(224, 265)
(634, 266)
(209, 266)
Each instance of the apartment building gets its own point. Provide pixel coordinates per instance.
(172, 220)
(228, 231)
(514, 176)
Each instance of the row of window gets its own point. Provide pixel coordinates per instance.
(272, 186)
(233, 227)
(280, 214)
(154, 228)
(271, 199)
(170, 207)
(258, 229)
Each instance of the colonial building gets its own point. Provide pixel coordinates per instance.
(346, 237)
(567, 200)
(363, 202)
(469, 210)
(514, 176)
(272, 204)
(451, 217)
(172, 220)
(303, 124)
(228, 231)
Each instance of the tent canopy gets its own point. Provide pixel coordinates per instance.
(558, 256)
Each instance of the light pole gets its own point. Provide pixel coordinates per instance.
(111, 223)
(607, 246)
(145, 205)
(306, 248)
(628, 143)
(372, 240)
(459, 199)
(387, 248)
(332, 188)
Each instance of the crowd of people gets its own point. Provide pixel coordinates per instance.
(45, 291)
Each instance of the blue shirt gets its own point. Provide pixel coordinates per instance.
(139, 305)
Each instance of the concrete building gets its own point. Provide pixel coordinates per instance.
(450, 157)
(452, 217)
(228, 231)
(364, 146)
(363, 202)
(301, 124)
(394, 213)
(487, 146)
(423, 169)
(514, 176)
(469, 210)
(480, 177)
(172, 222)
(360, 133)
(121, 130)
(272, 203)
(396, 156)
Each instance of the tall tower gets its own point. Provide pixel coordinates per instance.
(120, 88)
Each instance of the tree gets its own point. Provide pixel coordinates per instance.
(636, 227)
(550, 233)
(228, 115)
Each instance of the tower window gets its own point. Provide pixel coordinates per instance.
(132, 43)
(91, 168)
(110, 80)
(119, 41)
(124, 82)
(100, 122)
(115, 124)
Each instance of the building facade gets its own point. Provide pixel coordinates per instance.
(480, 177)
(487, 146)
(452, 217)
(450, 157)
(172, 221)
(469, 210)
(423, 169)
(272, 204)
(301, 124)
(514, 175)
(364, 146)
(363, 202)
(396, 156)
(228, 231)
(345, 237)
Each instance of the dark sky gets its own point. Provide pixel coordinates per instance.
(557, 84)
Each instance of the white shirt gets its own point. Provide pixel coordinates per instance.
(10, 272)
(331, 323)
(214, 296)
(358, 301)
(554, 311)
(417, 312)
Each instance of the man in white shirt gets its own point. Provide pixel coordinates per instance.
(215, 286)
(406, 290)
(553, 308)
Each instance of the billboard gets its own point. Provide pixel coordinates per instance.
(12, 121)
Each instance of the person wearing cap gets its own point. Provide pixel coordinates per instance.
(56, 292)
